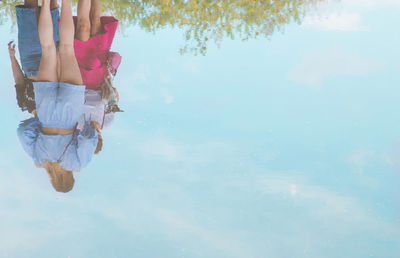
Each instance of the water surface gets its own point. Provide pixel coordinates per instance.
(283, 145)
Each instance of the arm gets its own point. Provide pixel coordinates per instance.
(28, 132)
(87, 143)
(113, 62)
(16, 69)
(24, 92)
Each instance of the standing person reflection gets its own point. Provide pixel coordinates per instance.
(94, 108)
(51, 137)
(94, 36)
(30, 50)
(100, 112)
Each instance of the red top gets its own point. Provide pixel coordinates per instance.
(94, 54)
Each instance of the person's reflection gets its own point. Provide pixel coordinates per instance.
(94, 36)
(100, 112)
(94, 108)
(30, 50)
(51, 137)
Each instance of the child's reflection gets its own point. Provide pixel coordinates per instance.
(30, 50)
(95, 109)
(51, 137)
(94, 36)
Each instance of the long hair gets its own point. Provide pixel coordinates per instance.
(107, 88)
(110, 95)
(61, 179)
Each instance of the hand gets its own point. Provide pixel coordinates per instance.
(95, 125)
(11, 48)
(88, 131)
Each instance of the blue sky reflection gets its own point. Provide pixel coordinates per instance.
(286, 147)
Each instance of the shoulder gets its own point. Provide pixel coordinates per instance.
(30, 123)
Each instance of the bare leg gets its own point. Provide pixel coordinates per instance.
(31, 3)
(58, 65)
(48, 62)
(34, 4)
(83, 22)
(53, 4)
(95, 18)
(69, 69)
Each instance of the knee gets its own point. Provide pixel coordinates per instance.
(83, 25)
(66, 48)
(83, 31)
(48, 48)
(95, 18)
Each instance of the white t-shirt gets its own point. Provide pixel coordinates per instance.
(93, 108)
(108, 119)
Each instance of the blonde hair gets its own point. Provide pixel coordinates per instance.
(61, 179)
(110, 95)
(107, 88)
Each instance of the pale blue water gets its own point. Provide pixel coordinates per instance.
(287, 147)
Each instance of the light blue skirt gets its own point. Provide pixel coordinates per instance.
(59, 104)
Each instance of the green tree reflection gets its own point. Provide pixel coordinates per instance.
(7, 10)
(204, 21)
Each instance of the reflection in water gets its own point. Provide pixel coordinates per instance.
(205, 21)
(68, 89)
(227, 155)
(66, 129)
(211, 21)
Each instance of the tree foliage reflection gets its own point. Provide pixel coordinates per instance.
(203, 21)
